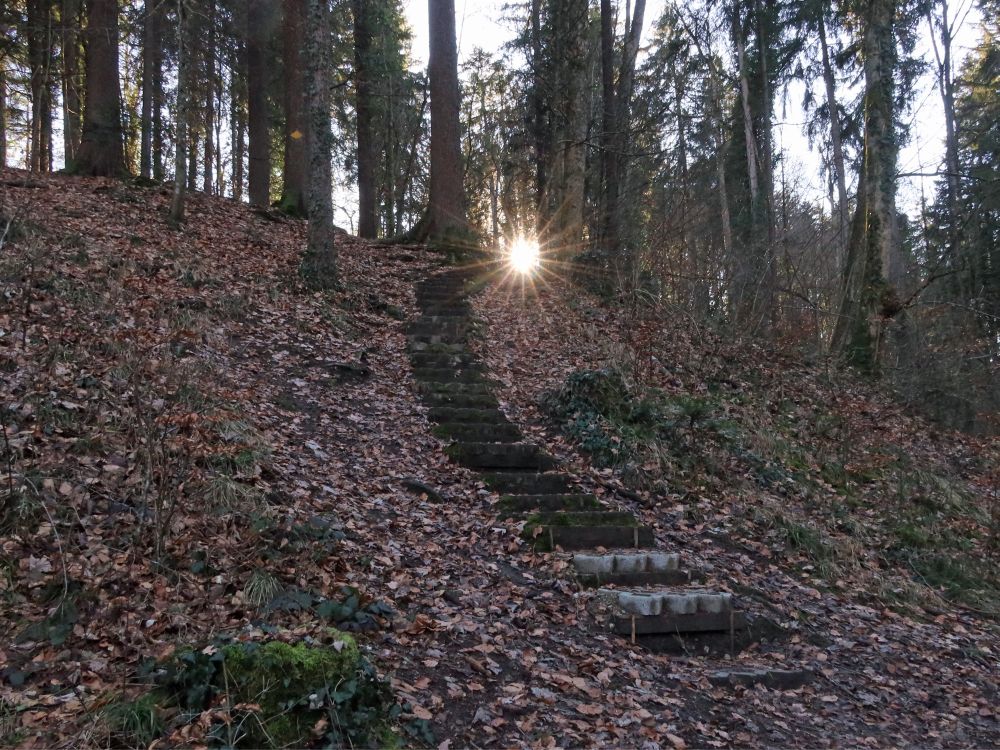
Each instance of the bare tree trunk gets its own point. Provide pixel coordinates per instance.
(293, 197)
(319, 265)
(538, 109)
(447, 199)
(259, 21)
(946, 86)
(41, 43)
(617, 178)
(149, 43)
(102, 151)
(609, 187)
(237, 99)
(3, 114)
(572, 29)
(72, 111)
(210, 52)
(181, 126)
(364, 93)
(158, 97)
(836, 137)
(869, 299)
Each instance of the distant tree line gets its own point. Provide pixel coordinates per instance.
(653, 167)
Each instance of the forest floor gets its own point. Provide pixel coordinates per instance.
(195, 446)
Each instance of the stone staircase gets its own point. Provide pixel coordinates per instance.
(643, 594)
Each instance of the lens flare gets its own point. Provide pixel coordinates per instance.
(523, 255)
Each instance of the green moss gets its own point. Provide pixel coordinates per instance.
(280, 676)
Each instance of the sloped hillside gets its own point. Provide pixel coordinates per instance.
(200, 455)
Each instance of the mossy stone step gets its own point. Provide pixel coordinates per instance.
(499, 456)
(434, 360)
(667, 611)
(511, 505)
(435, 311)
(438, 338)
(528, 482)
(444, 320)
(573, 530)
(446, 414)
(455, 327)
(479, 433)
(472, 374)
(460, 400)
(479, 388)
(440, 348)
(630, 569)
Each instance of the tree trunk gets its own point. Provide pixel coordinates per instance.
(102, 151)
(293, 197)
(869, 299)
(259, 20)
(447, 200)
(41, 43)
(150, 41)
(158, 98)
(364, 99)
(70, 18)
(946, 86)
(3, 114)
(619, 161)
(319, 266)
(210, 145)
(573, 22)
(183, 102)
(538, 129)
(836, 137)
(609, 186)
(237, 99)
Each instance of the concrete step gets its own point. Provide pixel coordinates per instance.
(772, 679)
(499, 456)
(452, 339)
(446, 414)
(457, 327)
(511, 505)
(443, 320)
(573, 530)
(439, 348)
(474, 374)
(445, 308)
(433, 359)
(670, 611)
(478, 433)
(528, 482)
(481, 388)
(630, 569)
(460, 400)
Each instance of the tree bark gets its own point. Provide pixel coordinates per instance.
(41, 43)
(836, 137)
(181, 126)
(573, 25)
(71, 84)
(447, 199)
(3, 115)
(150, 41)
(869, 299)
(608, 117)
(259, 21)
(210, 145)
(364, 99)
(293, 197)
(619, 159)
(102, 150)
(319, 265)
